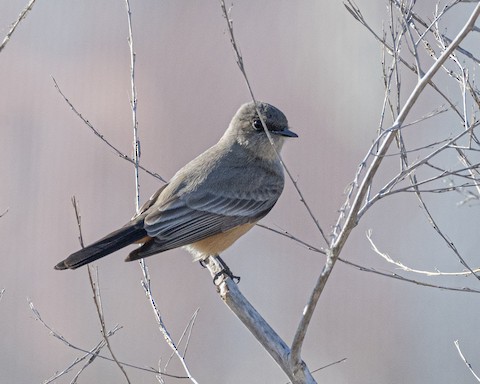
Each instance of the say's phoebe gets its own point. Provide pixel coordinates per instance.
(211, 201)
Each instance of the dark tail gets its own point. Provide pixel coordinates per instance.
(116, 240)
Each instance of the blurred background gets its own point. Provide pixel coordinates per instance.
(323, 70)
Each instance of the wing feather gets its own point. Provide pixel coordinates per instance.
(196, 216)
(201, 203)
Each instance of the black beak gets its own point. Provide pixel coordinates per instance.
(284, 132)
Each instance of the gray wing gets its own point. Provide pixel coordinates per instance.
(198, 215)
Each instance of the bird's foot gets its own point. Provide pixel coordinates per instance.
(225, 271)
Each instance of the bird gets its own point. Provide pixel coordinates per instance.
(213, 200)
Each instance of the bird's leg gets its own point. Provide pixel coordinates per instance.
(225, 271)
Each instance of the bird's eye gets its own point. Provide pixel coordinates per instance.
(257, 124)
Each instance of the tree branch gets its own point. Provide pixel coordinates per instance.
(15, 24)
(469, 366)
(101, 136)
(297, 372)
(351, 221)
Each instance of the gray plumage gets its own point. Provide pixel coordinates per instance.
(232, 184)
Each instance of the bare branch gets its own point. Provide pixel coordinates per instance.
(146, 284)
(330, 364)
(406, 280)
(186, 332)
(15, 24)
(355, 12)
(446, 240)
(78, 219)
(133, 104)
(407, 171)
(402, 266)
(294, 238)
(263, 332)
(429, 27)
(469, 366)
(92, 353)
(351, 220)
(239, 60)
(102, 137)
(94, 285)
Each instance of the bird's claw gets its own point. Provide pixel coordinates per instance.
(225, 271)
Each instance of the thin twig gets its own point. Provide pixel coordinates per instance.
(355, 12)
(326, 366)
(362, 268)
(387, 188)
(402, 266)
(92, 353)
(330, 365)
(15, 24)
(94, 285)
(469, 366)
(146, 282)
(101, 136)
(133, 105)
(186, 332)
(240, 63)
(163, 329)
(407, 171)
(396, 276)
(78, 219)
(294, 238)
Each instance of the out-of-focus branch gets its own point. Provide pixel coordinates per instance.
(15, 24)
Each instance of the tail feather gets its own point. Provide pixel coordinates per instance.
(114, 241)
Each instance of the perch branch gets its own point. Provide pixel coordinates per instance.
(263, 332)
